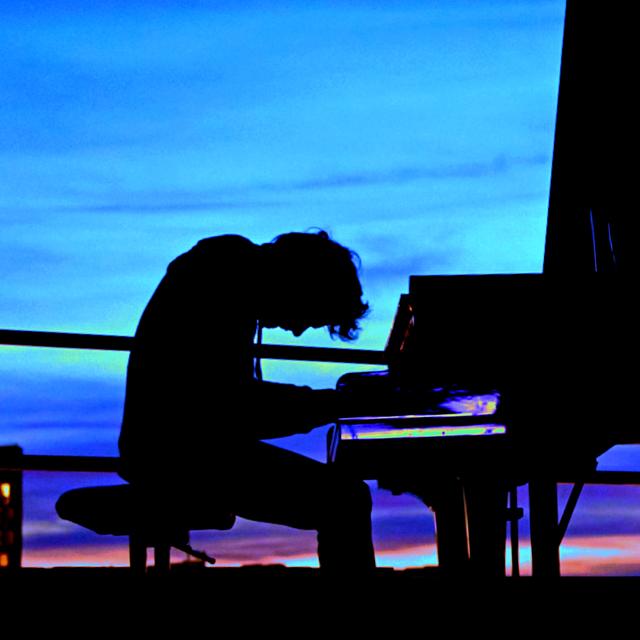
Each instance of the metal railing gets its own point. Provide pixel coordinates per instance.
(62, 340)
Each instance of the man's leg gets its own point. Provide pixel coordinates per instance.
(344, 535)
(269, 484)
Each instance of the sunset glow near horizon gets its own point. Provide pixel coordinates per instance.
(418, 133)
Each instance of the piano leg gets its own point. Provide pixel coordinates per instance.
(486, 501)
(471, 525)
(543, 514)
(448, 505)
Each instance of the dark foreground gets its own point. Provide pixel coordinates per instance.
(226, 584)
(276, 601)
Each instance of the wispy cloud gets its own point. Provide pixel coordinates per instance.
(239, 197)
(166, 207)
(409, 174)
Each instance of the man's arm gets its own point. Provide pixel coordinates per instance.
(276, 409)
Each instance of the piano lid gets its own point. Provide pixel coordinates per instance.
(592, 203)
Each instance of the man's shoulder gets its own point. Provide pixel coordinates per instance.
(216, 249)
(227, 241)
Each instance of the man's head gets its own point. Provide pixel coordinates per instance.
(312, 281)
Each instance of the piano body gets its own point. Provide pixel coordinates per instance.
(493, 381)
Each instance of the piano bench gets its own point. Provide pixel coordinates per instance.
(150, 520)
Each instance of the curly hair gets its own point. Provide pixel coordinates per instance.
(329, 271)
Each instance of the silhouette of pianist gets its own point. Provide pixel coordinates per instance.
(196, 412)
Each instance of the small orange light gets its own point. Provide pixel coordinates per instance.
(4, 560)
(5, 490)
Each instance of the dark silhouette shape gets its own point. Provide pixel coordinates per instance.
(196, 413)
(159, 520)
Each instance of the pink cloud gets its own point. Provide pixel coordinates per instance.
(580, 555)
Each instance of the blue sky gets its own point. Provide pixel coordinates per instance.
(418, 133)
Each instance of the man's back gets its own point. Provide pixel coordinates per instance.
(192, 350)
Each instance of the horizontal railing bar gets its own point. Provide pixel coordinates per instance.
(59, 463)
(13, 459)
(61, 340)
(611, 477)
(109, 464)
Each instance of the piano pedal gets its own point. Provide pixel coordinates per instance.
(195, 553)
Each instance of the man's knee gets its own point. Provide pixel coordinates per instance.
(362, 496)
(352, 497)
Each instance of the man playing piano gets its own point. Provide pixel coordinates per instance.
(197, 411)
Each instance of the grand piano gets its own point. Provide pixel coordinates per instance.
(494, 381)
(519, 379)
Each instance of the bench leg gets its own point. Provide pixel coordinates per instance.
(138, 556)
